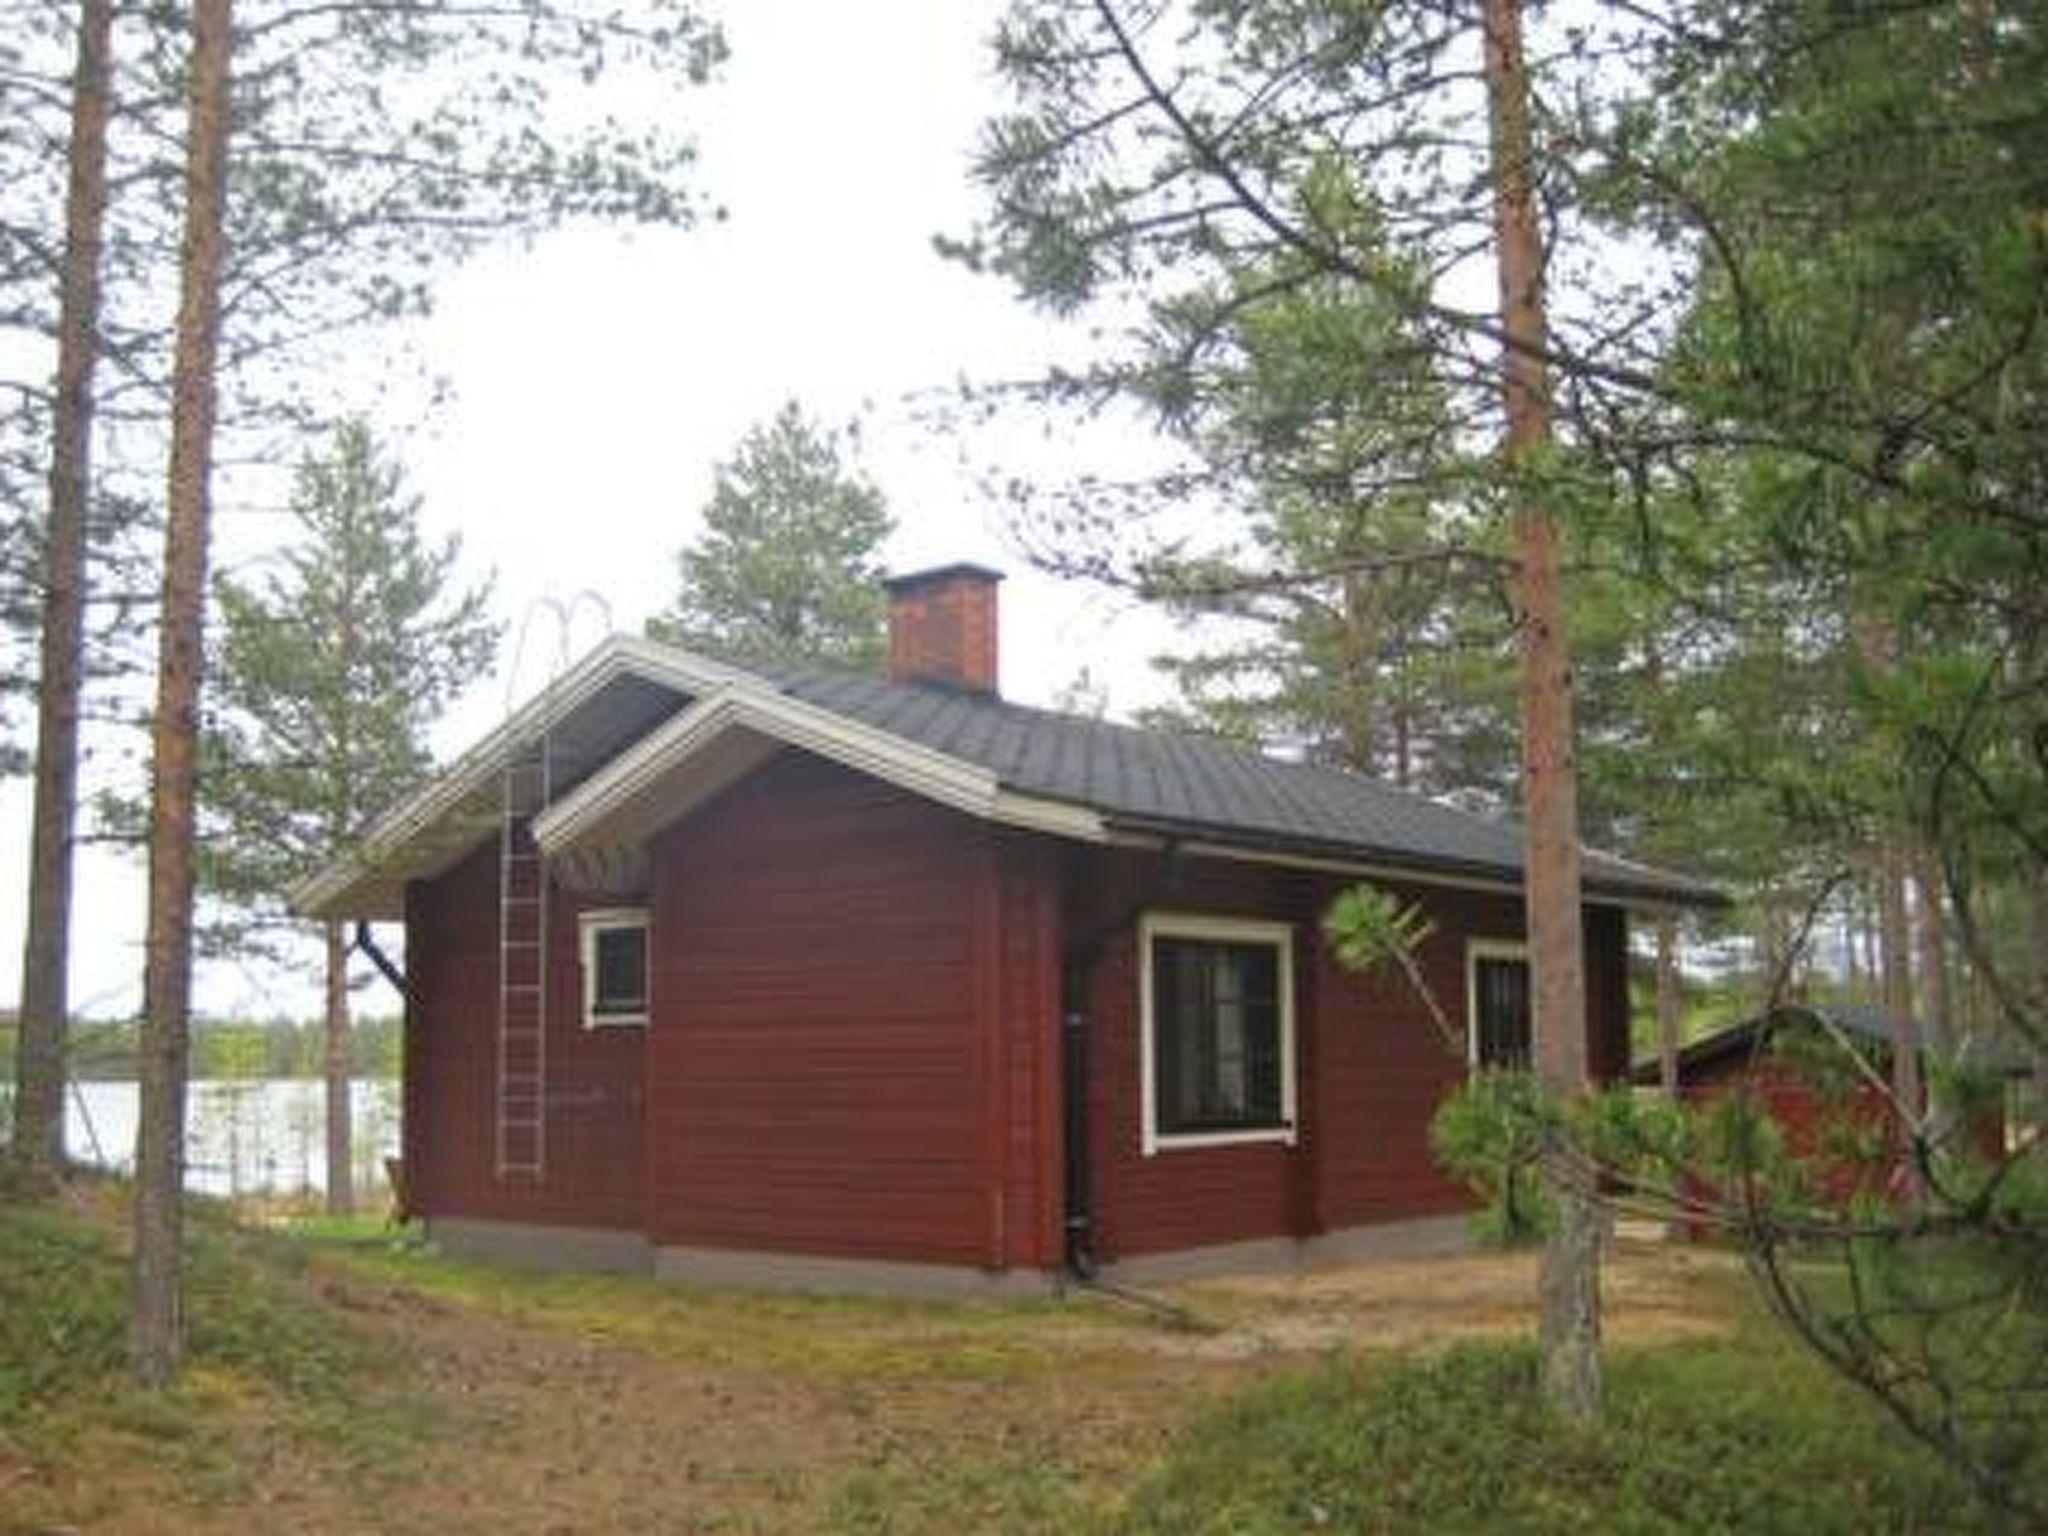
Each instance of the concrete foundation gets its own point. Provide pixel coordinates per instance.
(1422, 1237)
(608, 1249)
(544, 1247)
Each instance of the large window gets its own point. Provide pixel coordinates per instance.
(614, 956)
(1218, 1027)
(1497, 993)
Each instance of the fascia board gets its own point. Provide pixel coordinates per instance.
(866, 749)
(611, 789)
(475, 771)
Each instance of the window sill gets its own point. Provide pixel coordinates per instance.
(617, 1021)
(1174, 1141)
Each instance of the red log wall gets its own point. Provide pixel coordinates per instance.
(595, 1106)
(1372, 1066)
(855, 1005)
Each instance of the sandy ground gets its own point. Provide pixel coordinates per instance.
(1654, 1293)
(527, 1426)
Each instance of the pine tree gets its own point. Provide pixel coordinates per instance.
(45, 1003)
(157, 1330)
(1242, 151)
(1364, 595)
(786, 566)
(358, 166)
(329, 671)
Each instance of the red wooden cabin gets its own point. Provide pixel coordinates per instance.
(771, 973)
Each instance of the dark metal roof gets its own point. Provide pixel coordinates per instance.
(1204, 788)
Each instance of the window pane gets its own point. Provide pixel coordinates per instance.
(621, 956)
(1501, 1009)
(1216, 1017)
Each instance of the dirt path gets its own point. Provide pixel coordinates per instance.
(1654, 1294)
(684, 1412)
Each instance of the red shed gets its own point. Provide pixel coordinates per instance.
(776, 973)
(1823, 1072)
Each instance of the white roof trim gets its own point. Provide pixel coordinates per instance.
(478, 769)
(604, 799)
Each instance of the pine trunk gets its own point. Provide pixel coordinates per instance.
(2040, 1042)
(341, 1192)
(1931, 931)
(1569, 1330)
(1895, 980)
(40, 1066)
(156, 1339)
(1669, 1011)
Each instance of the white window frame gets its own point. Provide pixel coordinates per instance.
(588, 926)
(1477, 950)
(1226, 930)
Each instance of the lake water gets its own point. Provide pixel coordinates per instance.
(242, 1137)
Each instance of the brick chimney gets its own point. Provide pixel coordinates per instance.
(942, 627)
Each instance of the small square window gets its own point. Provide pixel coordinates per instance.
(1218, 1031)
(614, 956)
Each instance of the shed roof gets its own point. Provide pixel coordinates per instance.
(1864, 1024)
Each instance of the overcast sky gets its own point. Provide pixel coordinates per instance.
(594, 381)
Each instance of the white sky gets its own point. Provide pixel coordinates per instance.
(595, 380)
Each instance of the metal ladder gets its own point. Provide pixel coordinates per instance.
(527, 789)
(522, 1075)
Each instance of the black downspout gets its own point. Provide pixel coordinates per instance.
(1081, 955)
(386, 966)
(1080, 1253)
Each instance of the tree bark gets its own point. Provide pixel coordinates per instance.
(1669, 1008)
(1569, 1330)
(156, 1337)
(1895, 979)
(2040, 1042)
(341, 1193)
(1358, 650)
(1931, 931)
(40, 1067)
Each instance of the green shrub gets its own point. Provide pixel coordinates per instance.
(1490, 1134)
(63, 1307)
(1694, 1438)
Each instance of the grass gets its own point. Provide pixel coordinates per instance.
(827, 1339)
(1744, 1436)
(344, 1378)
(277, 1378)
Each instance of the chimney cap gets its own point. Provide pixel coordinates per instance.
(959, 570)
